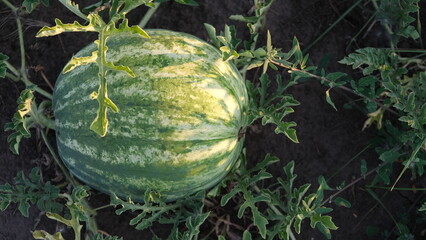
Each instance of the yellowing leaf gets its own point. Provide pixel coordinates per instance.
(75, 62)
(376, 117)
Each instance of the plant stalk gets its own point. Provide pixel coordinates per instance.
(148, 15)
(22, 73)
(349, 185)
(57, 160)
(8, 4)
(413, 155)
(12, 69)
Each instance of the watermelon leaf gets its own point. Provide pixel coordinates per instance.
(124, 27)
(22, 120)
(75, 62)
(41, 234)
(263, 106)
(3, 67)
(186, 210)
(69, 27)
(30, 5)
(26, 190)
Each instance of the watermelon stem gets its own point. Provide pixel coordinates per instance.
(148, 15)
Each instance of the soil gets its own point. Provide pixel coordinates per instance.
(328, 138)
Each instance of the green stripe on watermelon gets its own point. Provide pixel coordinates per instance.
(177, 129)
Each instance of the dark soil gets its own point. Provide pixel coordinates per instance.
(328, 138)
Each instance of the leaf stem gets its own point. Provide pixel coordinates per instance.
(13, 8)
(350, 185)
(73, 9)
(13, 77)
(148, 15)
(275, 209)
(413, 155)
(58, 161)
(102, 207)
(22, 73)
(12, 69)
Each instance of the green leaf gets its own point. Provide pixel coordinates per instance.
(193, 223)
(30, 5)
(341, 202)
(328, 99)
(259, 221)
(59, 218)
(297, 224)
(212, 34)
(363, 167)
(326, 221)
(247, 235)
(3, 67)
(389, 156)
(23, 207)
(4, 203)
(423, 207)
(22, 121)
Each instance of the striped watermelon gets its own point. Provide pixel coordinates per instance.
(179, 120)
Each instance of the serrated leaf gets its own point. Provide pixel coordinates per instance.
(59, 218)
(41, 234)
(3, 67)
(193, 223)
(80, 61)
(4, 203)
(30, 5)
(225, 198)
(61, 27)
(124, 27)
(326, 221)
(259, 221)
(212, 34)
(297, 224)
(119, 68)
(374, 117)
(21, 123)
(389, 156)
(23, 207)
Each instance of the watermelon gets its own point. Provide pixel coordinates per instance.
(178, 128)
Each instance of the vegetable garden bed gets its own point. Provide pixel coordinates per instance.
(359, 163)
